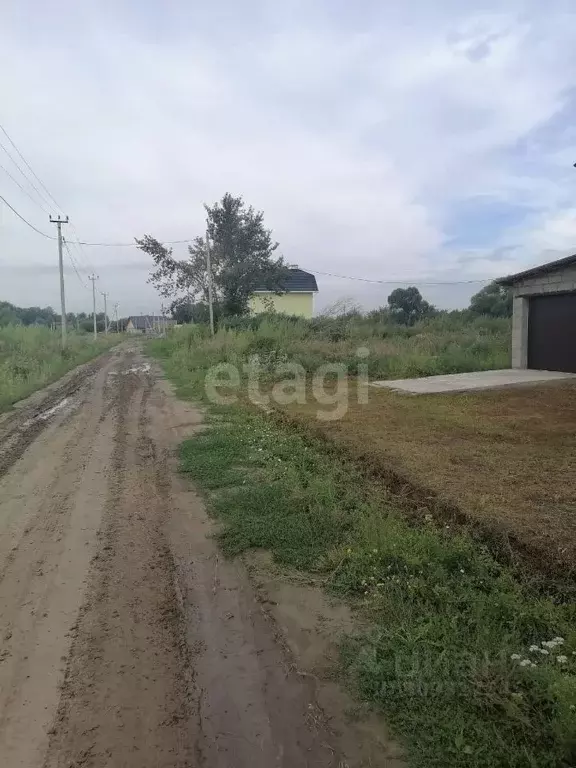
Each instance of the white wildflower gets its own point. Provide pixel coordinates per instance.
(559, 640)
(534, 648)
(525, 663)
(561, 659)
(461, 570)
(544, 652)
(515, 656)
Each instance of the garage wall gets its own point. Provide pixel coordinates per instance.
(561, 281)
(520, 332)
(555, 282)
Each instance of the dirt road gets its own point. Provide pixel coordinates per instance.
(126, 641)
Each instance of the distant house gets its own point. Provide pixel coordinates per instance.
(298, 297)
(148, 324)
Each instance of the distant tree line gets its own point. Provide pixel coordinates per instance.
(405, 306)
(10, 314)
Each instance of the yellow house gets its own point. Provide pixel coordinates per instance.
(298, 297)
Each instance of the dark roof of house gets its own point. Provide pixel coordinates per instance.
(147, 321)
(297, 280)
(543, 269)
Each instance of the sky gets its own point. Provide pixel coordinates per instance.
(417, 141)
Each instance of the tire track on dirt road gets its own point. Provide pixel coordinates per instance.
(125, 698)
(51, 501)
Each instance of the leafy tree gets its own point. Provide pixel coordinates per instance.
(242, 257)
(181, 310)
(407, 306)
(185, 311)
(88, 323)
(493, 300)
(8, 314)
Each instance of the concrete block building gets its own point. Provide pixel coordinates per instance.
(544, 316)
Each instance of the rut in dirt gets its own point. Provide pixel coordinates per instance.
(125, 698)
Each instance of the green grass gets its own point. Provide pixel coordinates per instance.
(446, 617)
(31, 358)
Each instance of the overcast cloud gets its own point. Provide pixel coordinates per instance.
(411, 141)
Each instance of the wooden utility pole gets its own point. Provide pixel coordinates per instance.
(163, 318)
(209, 281)
(59, 221)
(105, 310)
(190, 305)
(94, 278)
(116, 305)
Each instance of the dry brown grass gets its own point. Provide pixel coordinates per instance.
(505, 459)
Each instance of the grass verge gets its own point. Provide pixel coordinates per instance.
(31, 358)
(448, 620)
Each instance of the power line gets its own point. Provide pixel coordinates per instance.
(72, 261)
(82, 254)
(83, 259)
(50, 196)
(38, 179)
(49, 237)
(316, 272)
(132, 245)
(7, 172)
(41, 197)
(401, 282)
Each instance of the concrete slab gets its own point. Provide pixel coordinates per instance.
(473, 382)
